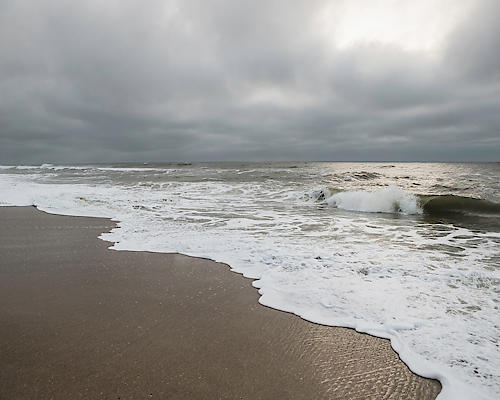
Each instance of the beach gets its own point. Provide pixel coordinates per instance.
(81, 321)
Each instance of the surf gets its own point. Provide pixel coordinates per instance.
(393, 199)
(451, 204)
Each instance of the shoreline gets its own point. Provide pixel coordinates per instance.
(80, 320)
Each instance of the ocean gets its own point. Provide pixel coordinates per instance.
(404, 251)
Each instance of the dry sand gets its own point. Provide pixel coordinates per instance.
(80, 321)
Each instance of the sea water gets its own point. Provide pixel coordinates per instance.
(404, 251)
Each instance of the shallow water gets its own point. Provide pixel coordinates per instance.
(399, 250)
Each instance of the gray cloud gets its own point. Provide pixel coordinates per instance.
(225, 80)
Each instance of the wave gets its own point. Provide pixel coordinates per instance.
(388, 200)
(395, 200)
(451, 204)
(45, 167)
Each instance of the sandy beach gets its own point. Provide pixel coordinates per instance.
(78, 320)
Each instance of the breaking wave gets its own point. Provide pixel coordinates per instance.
(395, 200)
(388, 200)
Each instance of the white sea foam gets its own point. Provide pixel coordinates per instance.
(387, 200)
(80, 167)
(431, 292)
(127, 169)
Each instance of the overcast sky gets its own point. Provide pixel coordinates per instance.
(107, 81)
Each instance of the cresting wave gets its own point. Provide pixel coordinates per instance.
(387, 200)
(450, 204)
(396, 200)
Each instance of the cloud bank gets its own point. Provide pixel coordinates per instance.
(190, 80)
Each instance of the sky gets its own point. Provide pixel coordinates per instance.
(213, 80)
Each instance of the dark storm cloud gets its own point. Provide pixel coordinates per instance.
(224, 80)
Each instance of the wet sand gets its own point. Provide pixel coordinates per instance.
(78, 320)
